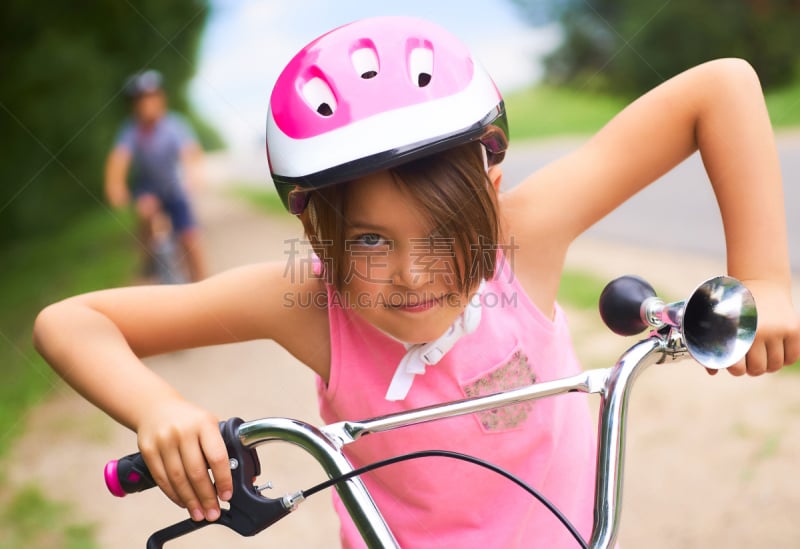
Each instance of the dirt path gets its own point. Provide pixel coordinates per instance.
(712, 461)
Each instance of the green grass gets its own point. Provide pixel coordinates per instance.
(784, 106)
(97, 252)
(580, 290)
(264, 198)
(544, 111)
(31, 520)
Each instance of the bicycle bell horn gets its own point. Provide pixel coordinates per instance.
(716, 324)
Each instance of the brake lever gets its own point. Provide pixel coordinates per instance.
(249, 512)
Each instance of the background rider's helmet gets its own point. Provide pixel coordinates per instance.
(372, 95)
(142, 83)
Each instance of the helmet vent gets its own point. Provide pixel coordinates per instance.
(420, 64)
(365, 60)
(319, 96)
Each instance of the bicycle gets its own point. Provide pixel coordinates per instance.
(715, 326)
(165, 263)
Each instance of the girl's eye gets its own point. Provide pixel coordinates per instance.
(371, 240)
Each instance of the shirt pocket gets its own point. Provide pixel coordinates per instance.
(513, 371)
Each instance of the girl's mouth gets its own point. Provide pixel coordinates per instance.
(417, 304)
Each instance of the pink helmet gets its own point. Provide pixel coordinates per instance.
(374, 94)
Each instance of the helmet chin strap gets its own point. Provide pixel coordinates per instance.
(420, 355)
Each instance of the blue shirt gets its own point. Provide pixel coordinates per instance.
(156, 154)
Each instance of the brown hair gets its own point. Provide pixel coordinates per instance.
(453, 193)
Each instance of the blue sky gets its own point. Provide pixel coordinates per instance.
(247, 43)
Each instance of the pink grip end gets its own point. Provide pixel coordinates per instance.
(112, 480)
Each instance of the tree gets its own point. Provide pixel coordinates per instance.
(60, 96)
(629, 46)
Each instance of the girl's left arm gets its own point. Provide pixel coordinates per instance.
(717, 108)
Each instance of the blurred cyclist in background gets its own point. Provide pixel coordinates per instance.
(158, 152)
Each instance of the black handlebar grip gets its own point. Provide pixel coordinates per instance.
(621, 304)
(128, 475)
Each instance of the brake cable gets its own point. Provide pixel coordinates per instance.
(453, 455)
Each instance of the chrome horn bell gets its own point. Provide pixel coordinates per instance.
(716, 324)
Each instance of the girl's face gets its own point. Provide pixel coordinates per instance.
(398, 275)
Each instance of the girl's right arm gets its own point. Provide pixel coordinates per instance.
(96, 342)
(718, 109)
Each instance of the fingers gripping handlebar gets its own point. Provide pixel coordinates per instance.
(130, 474)
(249, 511)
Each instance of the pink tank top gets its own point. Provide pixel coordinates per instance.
(439, 502)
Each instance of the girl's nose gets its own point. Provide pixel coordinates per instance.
(418, 269)
(409, 270)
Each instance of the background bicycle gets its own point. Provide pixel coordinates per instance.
(165, 261)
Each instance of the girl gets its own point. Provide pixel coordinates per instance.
(385, 138)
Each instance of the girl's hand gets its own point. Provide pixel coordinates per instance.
(777, 341)
(179, 443)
